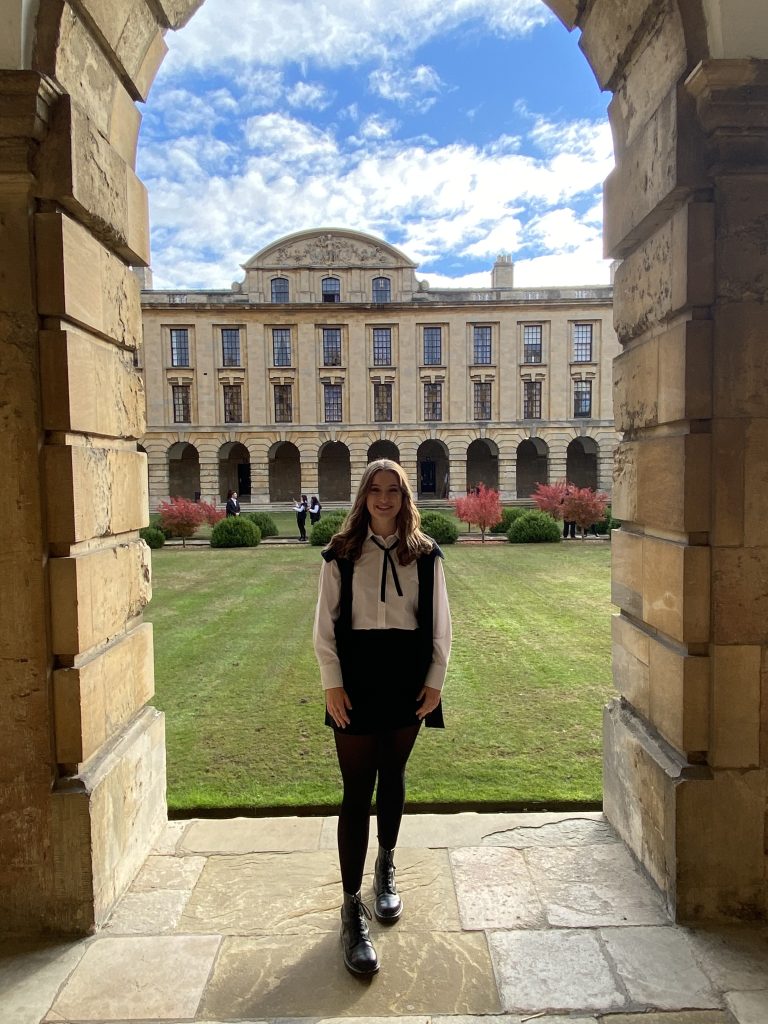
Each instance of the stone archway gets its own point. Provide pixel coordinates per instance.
(581, 462)
(384, 450)
(483, 464)
(234, 470)
(334, 473)
(532, 466)
(284, 472)
(183, 471)
(432, 472)
(685, 769)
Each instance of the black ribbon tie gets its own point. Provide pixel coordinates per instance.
(388, 559)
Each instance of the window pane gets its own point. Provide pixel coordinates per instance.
(281, 346)
(382, 346)
(279, 289)
(582, 343)
(181, 404)
(482, 338)
(433, 401)
(332, 403)
(233, 403)
(331, 346)
(382, 289)
(582, 398)
(180, 347)
(382, 403)
(532, 343)
(532, 399)
(283, 403)
(483, 400)
(331, 289)
(432, 346)
(230, 346)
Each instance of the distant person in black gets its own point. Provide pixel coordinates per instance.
(314, 510)
(233, 505)
(300, 508)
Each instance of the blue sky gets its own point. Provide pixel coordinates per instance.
(454, 129)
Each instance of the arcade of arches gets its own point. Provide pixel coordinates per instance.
(334, 470)
(686, 740)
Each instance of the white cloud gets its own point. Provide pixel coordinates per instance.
(240, 31)
(310, 95)
(413, 87)
(376, 127)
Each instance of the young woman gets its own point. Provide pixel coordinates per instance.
(300, 508)
(382, 638)
(314, 510)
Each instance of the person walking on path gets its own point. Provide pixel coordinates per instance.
(382, 638)
(300, 508)
(314, 510)
(233, 505)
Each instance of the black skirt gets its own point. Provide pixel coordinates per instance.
(383, 672)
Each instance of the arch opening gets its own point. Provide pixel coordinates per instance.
(234, 470)
(532, 466)
(284, 472)
(334, 472)
(184, 471)
(483, 464)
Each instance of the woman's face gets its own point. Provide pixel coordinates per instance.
(384, 501)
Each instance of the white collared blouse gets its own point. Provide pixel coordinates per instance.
(370, 612)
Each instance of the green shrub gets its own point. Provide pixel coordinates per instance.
(535, 528)
(439, 527)
(265, 523)
(608, 523)
(235, 532)
(321, 532)
(508, 516)
(153, 536)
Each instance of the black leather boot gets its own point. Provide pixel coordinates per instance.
(387, 906)
(359, 955)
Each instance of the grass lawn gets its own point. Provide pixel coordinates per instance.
(237, 678)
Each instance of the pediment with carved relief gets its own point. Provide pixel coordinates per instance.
(329, 248)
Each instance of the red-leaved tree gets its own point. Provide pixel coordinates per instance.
(213, 515)
(182, 517)
(550, 497)
(482, 507)
(584, 507)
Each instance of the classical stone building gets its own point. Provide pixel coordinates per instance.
(685, 742)
(331, 353)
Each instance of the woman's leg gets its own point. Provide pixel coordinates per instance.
(357, 760)
(394, 750)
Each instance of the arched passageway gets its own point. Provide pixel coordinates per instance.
(483, 464)
(284, 472)
(334, 473)
(384, 450)
(532, 466)
(581, 462)
(685, 770)
(234, 470)
(183, 471)
(433, 470)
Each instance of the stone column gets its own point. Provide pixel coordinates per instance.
(685, 747)
(507, 477)
(458, 476)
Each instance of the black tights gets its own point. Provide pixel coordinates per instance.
(361, 759)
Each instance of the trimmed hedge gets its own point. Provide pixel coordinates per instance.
(265, 523)
(508, 516)
(321, 533)
(535, 528)
(439, 527)
(235, 532)
(153, 536)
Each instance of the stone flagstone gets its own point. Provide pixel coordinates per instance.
(168, 873)
(733, 958)
(596, 885)
(658, 968)
(31, 976)
(251, 835)
(573, 831)
(282, 976)
(495, 890)
(300, 893)
(748, 1007)
(131, 978)
(555, 970)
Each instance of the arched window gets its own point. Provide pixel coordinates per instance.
(382, 289)
(279, 289)
(331, 289)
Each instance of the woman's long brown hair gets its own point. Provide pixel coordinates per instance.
(348, 542)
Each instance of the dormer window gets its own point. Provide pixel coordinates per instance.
(331, 289)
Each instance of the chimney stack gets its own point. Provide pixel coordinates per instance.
(503, 273)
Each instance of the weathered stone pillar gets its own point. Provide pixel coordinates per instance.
(458, 476)
(685, 747)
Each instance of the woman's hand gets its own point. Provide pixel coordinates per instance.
(430, 698)
(338, 704)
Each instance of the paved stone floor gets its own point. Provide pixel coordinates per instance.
(509, 918)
